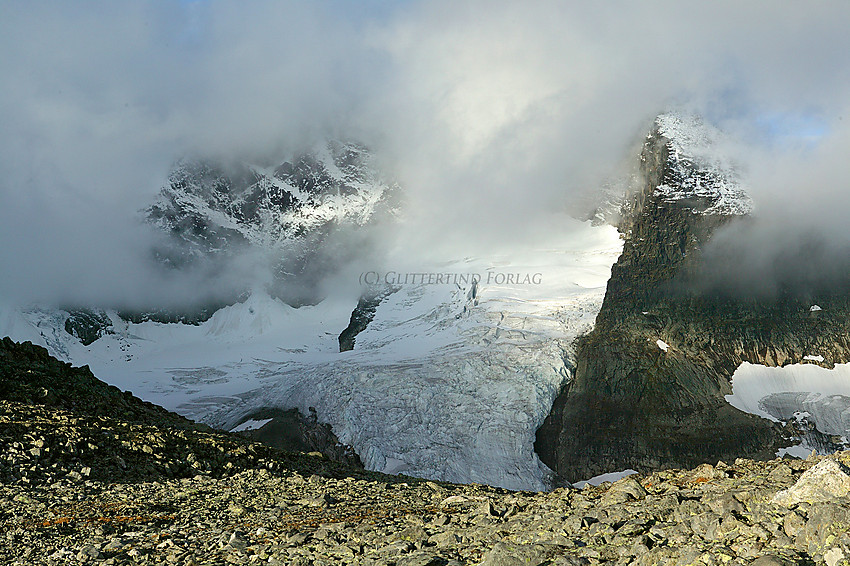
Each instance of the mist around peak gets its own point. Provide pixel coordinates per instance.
(491, 116)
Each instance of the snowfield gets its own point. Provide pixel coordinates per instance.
(447, 382)
(783, 393)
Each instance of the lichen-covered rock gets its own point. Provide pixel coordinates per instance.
(827, 481)
(835, 557)
(623, 490)
(508, 554)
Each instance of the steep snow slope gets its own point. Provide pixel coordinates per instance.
(447, 382)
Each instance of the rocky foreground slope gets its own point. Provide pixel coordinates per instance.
(89, 479)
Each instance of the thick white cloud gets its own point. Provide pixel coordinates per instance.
(491, 113)
(502, 110)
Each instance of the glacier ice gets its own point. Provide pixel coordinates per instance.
(441, 384)
(781, 393)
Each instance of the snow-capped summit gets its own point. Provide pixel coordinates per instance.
(697, 168)
(298, 216)
(214, 207)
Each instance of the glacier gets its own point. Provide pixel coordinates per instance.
(447, 382)
(783, 393)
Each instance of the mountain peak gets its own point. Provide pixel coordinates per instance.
(698, 170)
(291, 213)
(211, 206)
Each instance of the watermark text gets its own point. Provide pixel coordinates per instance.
(449, 278)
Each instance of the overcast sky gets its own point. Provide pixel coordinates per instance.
(491, 113)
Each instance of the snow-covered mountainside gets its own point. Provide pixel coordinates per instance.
(214, 207)
(449, 380)
(302, 213)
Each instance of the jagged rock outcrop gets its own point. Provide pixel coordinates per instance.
(292, 431)
(362, 315)
(87, 325)
(651, 377)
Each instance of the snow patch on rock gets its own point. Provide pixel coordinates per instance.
(251, 424)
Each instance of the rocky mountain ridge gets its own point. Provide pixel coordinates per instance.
(30, 376)
(652, 375)
(213, 208)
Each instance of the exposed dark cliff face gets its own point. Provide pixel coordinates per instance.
(362, 315)
(291, 431)
(651, 377)
(87, 325)
(191, 315)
